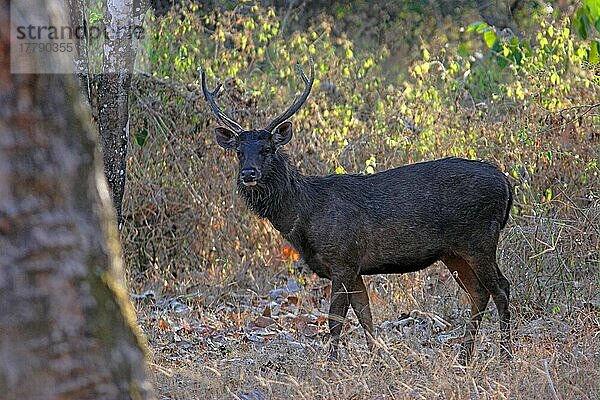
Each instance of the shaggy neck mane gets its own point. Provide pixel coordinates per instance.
(278, 196)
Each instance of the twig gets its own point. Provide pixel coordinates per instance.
(588, 107)
(551, 387)
(549, 247)
(287, 15)
(584, 215)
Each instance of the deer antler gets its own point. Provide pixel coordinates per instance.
(298, 103)
(221, 116)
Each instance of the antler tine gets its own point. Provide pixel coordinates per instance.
(297, 103)
(221, 116)
(302, 74)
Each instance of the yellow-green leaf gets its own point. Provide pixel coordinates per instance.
(490, 38)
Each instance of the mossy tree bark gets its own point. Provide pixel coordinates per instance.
(67, 329)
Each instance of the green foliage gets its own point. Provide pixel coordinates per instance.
(587, 18)
(349, 99)
(488, 32)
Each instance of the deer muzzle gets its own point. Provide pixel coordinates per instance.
(249, 176)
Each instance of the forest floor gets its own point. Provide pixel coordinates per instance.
(232, 342)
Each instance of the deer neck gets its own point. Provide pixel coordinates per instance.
(279, 196)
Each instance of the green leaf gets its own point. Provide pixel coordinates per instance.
(501, 61)
(141, 137)
(526, 48)
(582, 24)
(518, 56)
(497, 47)
(94, 17)
(426, 55)
(477, 26)
(594, 55)
(490, 38)
(593, 9)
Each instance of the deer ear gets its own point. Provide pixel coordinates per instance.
(226, 138)
(282, 134)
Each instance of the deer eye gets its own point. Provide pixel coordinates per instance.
(266, 150)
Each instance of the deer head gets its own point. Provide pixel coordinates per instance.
(256, 148)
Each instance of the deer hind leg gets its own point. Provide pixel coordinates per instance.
(464, 273)
(498, 287)
(359, 299)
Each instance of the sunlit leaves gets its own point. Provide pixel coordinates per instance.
(370, 165)
(351, 103)
(478, 27)
(426, 55)
(490, 38)
(488, 32)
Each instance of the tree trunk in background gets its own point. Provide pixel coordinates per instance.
(113, 97)
(67, 329)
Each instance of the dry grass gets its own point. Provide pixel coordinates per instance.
(556, 356)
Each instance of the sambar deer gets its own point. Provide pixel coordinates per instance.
(396, 221)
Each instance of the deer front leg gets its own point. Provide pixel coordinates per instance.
(337, 312)
(359, 299)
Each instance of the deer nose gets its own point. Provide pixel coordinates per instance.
(249, 175)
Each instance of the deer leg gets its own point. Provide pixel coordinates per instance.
(359, 299)
(479, 300)
(468, 279)
(501, 296)
(337, 312)
(491, 278)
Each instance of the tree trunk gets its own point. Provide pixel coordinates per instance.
(67, 329)
(114, 86)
